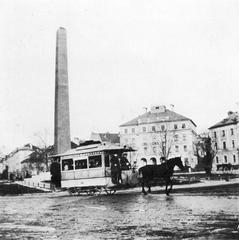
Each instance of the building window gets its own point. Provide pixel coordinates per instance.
(185, 148)
(176, 148)
(234, 158)
(217, 161)
(133, 130)
(216, 146)
(183, 125)
(215, 134)
(223, 133)
(125, 130)
(176, 138)
(186, 162)
(175, 126)
(225, 159)
(232, 132)
(145, 150)
(144, 129)
(154, 150)
(224, 145)
(153, 129)
(233, 144)
(162, 127)
(184, 137)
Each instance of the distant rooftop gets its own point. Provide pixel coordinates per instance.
(157, 114)
(233, 118)
(106, 137)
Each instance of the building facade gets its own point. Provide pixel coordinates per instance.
(158, 133)
(225, 134)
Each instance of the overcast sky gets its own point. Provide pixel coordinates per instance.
(123, 55)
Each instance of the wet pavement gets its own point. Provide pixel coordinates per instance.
(195, 215)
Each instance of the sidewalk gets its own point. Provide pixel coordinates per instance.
(205, 184)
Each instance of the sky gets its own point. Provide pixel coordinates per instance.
(123, 56)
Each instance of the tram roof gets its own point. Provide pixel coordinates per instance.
(95, 148)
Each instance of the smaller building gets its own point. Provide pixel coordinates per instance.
(107, 138)
(14, 159)
(226, 136)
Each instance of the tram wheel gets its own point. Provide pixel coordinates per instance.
(110, 191)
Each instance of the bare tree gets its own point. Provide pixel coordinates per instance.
(205, 150)
(164, 141)
(44, 148)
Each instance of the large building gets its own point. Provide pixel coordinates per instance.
(158, 133)
(225, 134)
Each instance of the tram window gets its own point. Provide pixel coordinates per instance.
(67, 164)
(81, 164)
(95, 161)
(107, 160)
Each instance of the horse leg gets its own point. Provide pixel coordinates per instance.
(166, 187)
(171, 185)
(148, 185)
(143, 190)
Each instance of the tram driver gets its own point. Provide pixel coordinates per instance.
(115, 169)
(124, 163)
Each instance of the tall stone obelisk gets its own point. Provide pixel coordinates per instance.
(62, 140)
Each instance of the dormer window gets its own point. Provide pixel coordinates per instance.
(183, 125)
(175, 126)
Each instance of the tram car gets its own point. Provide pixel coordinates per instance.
(96, 168)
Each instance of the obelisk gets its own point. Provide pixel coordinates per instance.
(62, 140)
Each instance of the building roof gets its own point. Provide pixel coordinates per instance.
(110, 137)
(157, 117)
(232, 118)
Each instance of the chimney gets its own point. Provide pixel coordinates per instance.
(62, 140)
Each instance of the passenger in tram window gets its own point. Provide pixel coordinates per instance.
(92, 163)
(66, 167)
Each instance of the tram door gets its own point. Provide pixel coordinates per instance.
(112, 167)
(107, 159)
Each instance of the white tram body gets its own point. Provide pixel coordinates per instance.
(90, 166)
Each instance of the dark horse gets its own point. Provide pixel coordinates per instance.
(165, 171)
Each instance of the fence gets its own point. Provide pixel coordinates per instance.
(41, 185)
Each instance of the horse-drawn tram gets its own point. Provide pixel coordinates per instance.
(96, 168)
